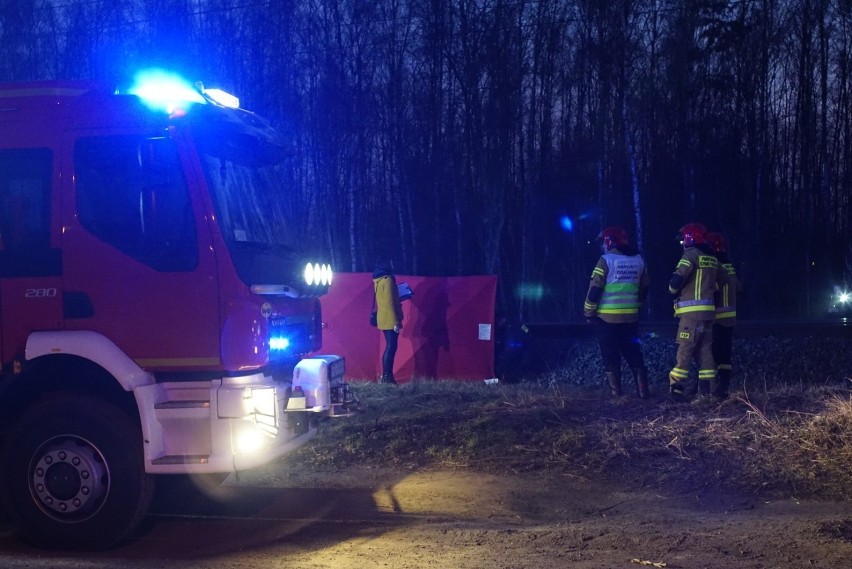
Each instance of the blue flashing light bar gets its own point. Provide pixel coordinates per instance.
(164, 91)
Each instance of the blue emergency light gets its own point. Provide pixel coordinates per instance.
(168, 92)
(279, 343)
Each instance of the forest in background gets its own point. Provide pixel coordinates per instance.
(463, 137)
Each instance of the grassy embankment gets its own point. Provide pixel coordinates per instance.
(785, 431)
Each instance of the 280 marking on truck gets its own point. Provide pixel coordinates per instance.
(40, 293)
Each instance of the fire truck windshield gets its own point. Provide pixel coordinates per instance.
(244, 163)
(250, 202)
(256, 218)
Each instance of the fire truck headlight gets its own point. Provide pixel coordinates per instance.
(318, 274)
(263, 401)
(250, 441)
(843, 297)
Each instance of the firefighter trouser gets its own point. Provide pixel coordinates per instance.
(617, 340)
(694, 340)
(722, 342)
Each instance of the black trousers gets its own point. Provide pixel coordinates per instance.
(617, 341)
(391, 340)
(723, 338)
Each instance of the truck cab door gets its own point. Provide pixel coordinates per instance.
(138, 257)
(30, 263)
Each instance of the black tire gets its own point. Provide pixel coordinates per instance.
(74, 474)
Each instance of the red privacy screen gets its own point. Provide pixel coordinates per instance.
(448, 331)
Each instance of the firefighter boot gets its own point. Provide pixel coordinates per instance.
(723, 383)
(640, 375)
(704, 387)
(614, 380)
(388, 378)
(677, 390)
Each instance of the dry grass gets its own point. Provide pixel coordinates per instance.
(808, 447)
(791, 441)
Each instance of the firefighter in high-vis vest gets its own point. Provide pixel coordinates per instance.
(726, 317)
(618, 285)
(693, 284)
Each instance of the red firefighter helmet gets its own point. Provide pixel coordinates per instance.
(613, 236)
(718, 242)
(693, 234)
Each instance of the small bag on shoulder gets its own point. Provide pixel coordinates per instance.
(374, 315)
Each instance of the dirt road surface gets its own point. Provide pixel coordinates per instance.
(369, 518)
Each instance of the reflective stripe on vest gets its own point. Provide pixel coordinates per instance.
(686, 306)
(726, 307)
(621, 291)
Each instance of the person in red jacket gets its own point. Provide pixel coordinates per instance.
(388, 315)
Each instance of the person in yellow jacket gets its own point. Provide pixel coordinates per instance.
(618, 285)
(388, 315)
(726, 317)
(694, 282)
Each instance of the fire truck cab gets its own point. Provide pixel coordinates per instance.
(156, 313)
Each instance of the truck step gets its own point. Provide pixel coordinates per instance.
(182, 459)
(179, 404)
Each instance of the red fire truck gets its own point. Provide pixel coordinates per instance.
(156, 314)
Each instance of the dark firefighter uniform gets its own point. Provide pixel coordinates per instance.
(694, 284)
(726, 318)
(618, 285)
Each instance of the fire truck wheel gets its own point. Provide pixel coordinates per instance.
(74, 475)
